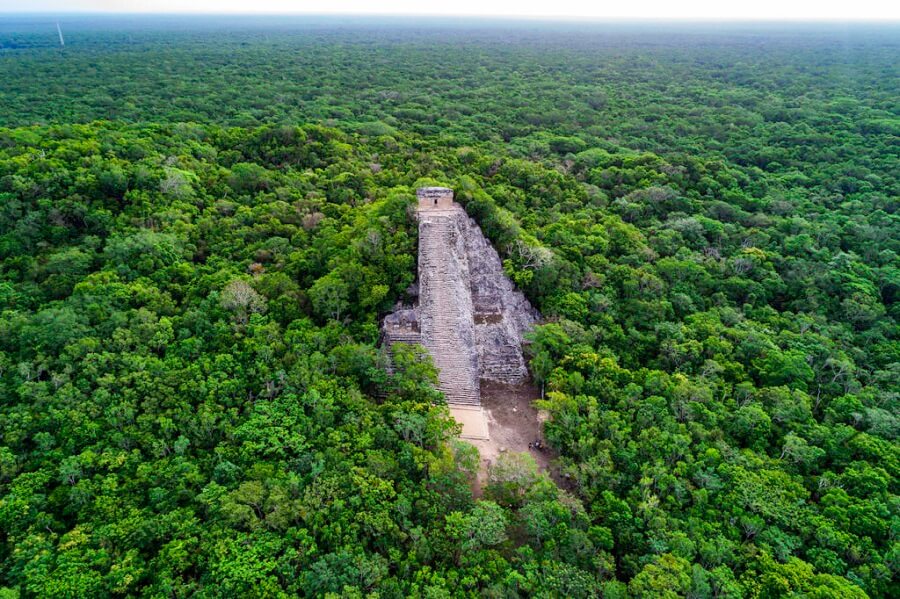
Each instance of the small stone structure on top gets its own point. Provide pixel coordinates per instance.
(435, 198)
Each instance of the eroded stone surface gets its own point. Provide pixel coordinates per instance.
(468, 314)
(501, 312)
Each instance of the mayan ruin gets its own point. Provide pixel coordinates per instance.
(467, 313)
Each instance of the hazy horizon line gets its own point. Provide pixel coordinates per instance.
(474, 16)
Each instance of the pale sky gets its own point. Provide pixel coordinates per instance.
(649, 9)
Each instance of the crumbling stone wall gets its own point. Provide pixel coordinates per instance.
(401, 326)
(502, 314)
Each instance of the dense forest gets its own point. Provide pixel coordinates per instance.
(203, 221)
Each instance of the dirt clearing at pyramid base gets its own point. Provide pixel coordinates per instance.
(514, 426)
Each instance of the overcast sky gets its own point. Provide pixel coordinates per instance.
(685, 9)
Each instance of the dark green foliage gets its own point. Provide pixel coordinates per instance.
(192, 400)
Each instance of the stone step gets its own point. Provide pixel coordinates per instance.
(404, 337)
(474, 403)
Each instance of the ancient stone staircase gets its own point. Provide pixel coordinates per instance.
(447, 325)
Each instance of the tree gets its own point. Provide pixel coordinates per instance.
(510, 477)
(751, 425)
(242, 300)
(330, 296)
(789, 368)
(668, 576)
